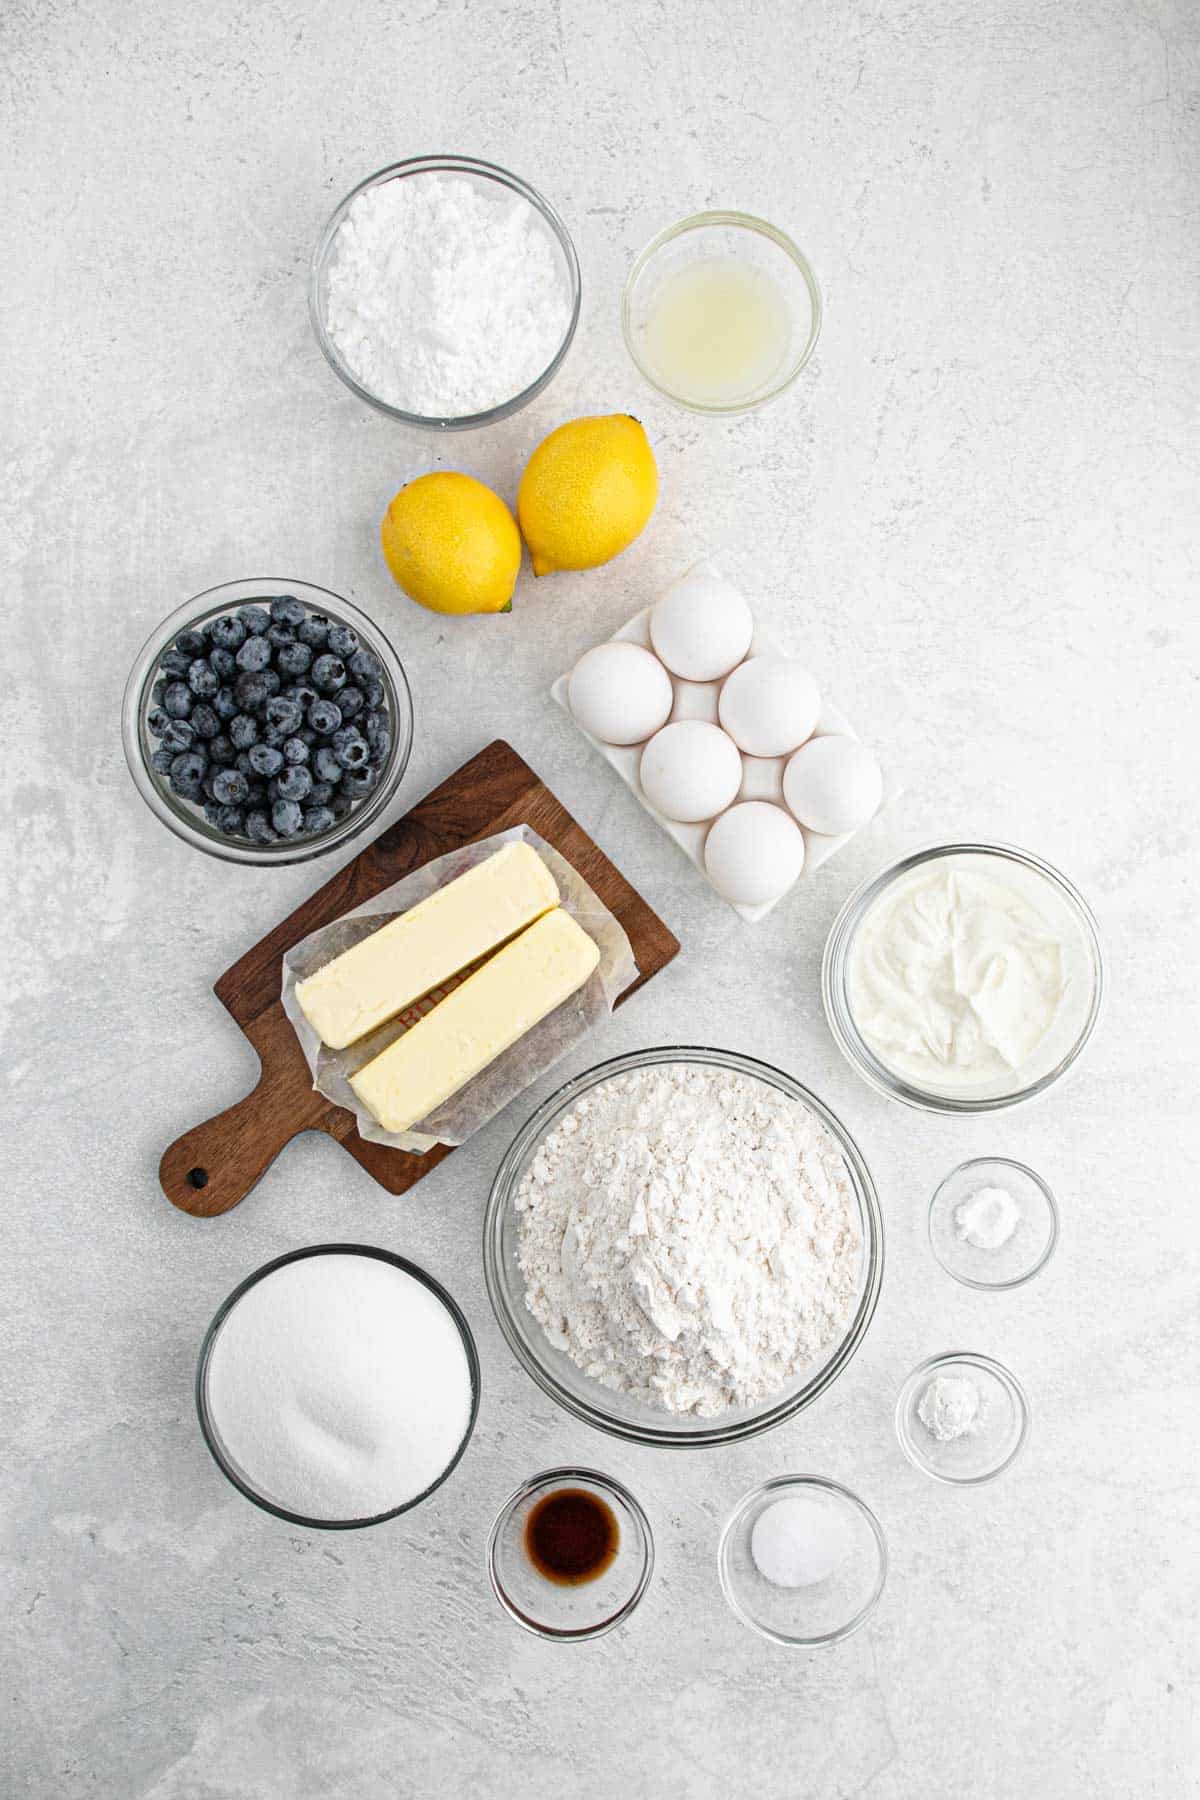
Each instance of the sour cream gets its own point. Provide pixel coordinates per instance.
(957, 977)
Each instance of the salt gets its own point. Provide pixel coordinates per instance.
(339, 1387)
(799, 1540)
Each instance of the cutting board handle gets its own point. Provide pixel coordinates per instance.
(214, 1165)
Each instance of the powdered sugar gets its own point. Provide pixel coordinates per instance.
(444, 300)
(689, 1236)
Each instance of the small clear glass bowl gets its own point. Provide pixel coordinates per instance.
(1034, 1236)
(730, 237)
(1022, 868)
(186, 820)
(977, 1456)
(566, 1614)
(824, 1611)
(604, 1407)
(488, 177)
(236, 1476)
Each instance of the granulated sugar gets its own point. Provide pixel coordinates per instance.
(339, 1387)
(445, 299)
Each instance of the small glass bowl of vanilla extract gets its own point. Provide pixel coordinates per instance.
(570, 1554)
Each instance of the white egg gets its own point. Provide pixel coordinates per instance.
(701, 627)
(690, 771)
(833, 784)
(753, 853)
(620, 693)
(770, 705)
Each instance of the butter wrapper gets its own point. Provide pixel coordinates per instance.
(528, 1059)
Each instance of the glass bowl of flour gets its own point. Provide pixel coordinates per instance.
(445, 292)
(683, 1246)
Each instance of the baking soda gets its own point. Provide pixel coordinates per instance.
(339, 1387)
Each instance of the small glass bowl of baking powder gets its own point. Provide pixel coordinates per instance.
(523, 217)
(993, 1223)
(962, 1418)
(802, 1561)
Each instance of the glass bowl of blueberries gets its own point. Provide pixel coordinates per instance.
(267, 721)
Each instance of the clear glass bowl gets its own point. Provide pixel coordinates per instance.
(617, 1413)
(487, 176)
(1034, 1237)
(730, 237)
(212, 1436)
(977, 1456)
(586, 1610)
(186, 820)
(821, 1612)
(1022, 867)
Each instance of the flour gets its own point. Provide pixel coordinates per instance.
(689, 1236)
(443, 301)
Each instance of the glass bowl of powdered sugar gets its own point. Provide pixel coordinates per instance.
(683, 1247)
(445, 292)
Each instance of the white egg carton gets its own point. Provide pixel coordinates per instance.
(762, 776)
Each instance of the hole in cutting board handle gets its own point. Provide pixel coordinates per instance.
(197, 1178)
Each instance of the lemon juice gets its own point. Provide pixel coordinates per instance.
(717, 331)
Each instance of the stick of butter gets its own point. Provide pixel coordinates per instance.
(477, 1022)
(443, 934)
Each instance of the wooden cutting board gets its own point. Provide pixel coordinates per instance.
(215, 1165)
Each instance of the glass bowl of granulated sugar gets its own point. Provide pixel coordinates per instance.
(445, 292)
(683, 1246)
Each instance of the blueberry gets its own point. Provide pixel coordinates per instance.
(161, 760)
(208, 785)
(231, 820)
(258, 794)
(187, 773)
(377, 725)
(178, 700)
(285, 713)
(254, 655)
(242, 761)
(157, 721)
(325, 716)
(340, 805)
(231, 787)
(243, 731)
(302, 693)
(350, 748)
(295, 750)
(252, 690)
(321, 793)
(275, 735)
(158, 691)
(318, 818)
(221, 751)
(228, 633)
(279, 636)
(212, 811)
(254, 618)
(272, 683)
(293, 659)
(202, 680)
(287, 610)
(314, 631)
(351, 702)
(225, 703)
(174, 665)
(380, 750)
(327, 766)
(342, 640)
(286, 817)
(190, 643)
(204, 721)
(258, 828)
(264, 760)
(223, 663)
(373, 691)
(359, 782)
(307, 735)
(329, 674)
(363, 666)
(294, 784)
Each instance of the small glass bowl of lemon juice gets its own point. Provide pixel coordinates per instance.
(721, 312)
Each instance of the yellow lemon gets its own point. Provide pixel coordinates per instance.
(452, 545)
(587, 491)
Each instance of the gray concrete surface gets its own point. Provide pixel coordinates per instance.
(976, 514)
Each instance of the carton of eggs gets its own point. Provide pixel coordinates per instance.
(729, 744)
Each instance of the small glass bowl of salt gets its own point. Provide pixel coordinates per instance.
(962, 1418)
(993, 1223)
(802, 1561)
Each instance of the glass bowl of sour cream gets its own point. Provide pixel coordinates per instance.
(964, 978)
